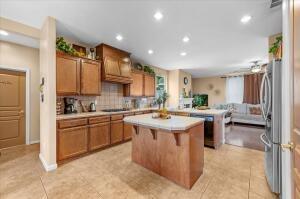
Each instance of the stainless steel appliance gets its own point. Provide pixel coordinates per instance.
(208, 129)
(69, 105)
(270, 100)
(92, 107)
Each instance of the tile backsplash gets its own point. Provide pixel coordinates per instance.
(111, 97)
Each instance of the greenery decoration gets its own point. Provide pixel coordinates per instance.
(63, 46)
(276, 45)
(138, 66)
(200, 100)
(149, 70)
(162, 99)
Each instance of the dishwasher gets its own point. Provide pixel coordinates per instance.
(208, 129)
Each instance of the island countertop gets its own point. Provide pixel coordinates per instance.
(176, 123)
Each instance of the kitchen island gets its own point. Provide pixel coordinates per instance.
(172, 148)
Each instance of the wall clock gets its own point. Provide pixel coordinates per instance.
(185, 80)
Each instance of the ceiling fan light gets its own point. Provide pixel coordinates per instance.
(255, 69)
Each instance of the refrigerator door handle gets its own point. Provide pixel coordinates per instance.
(262, 138)
(269, 96)
(262, 96)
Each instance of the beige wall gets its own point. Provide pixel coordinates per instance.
(14, 55)
(215, 87)
(48, 107)
(176, 85)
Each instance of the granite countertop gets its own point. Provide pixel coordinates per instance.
(176, 123)
(98, 113)
(196, 111)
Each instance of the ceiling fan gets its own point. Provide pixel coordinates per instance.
(255, 68)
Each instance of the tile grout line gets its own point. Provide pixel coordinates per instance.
(249, 182)
(43, 186)
(88, 183)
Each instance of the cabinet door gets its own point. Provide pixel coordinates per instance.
(99, 135)
(72, 142)
(67, 75)
(125, 68)
(128, 128)
(136, 88)
(116, 131)
(149, 86)
(90, 78)
(111, 66)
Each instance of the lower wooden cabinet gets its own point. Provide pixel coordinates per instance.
(72, 142)
(99, 135)
(116, 131)
(128, 128)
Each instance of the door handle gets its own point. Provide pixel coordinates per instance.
(21, 112)
(289, 145)
(262, 136)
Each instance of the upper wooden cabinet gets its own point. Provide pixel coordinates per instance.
(116, 65)
(75, 76)
(149, 86)
(67, 74)
(142, 85)
(90, 77)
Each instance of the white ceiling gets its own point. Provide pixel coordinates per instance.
(219, 42)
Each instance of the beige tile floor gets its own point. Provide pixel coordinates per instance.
(230, 172)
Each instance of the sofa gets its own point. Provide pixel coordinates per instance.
(243, 113)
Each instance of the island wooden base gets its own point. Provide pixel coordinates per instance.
(178, 156)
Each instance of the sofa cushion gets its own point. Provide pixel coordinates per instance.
(248, 117)
(239, 108)
(253, 109)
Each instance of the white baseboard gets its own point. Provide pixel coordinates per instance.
(34, 142)
(46, 166)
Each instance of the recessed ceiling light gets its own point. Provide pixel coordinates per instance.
(158, 16)
(186, 39)
(183, 53)
(246, 19)
(119, 37)
(150, 51)
(3, 32)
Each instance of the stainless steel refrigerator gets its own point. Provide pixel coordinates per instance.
(270, 100)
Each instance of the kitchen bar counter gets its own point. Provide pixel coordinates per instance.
(171, 148)
(176, 123)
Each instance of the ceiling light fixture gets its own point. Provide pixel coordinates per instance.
(186, 39)
(183, 53)
(256, 68)
(150, 52)
(245, 19)
(158, 16)
(3, 32)
(119, 37)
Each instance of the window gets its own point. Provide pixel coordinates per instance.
(234, 89)
(160, 84)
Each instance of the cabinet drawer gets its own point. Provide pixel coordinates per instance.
(72, 123)
(116, 117)
(95, 120)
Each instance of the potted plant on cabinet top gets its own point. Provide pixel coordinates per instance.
(276, 48)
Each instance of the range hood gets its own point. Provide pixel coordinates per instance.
(116, 64)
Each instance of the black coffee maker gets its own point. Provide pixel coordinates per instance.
(69, 105)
